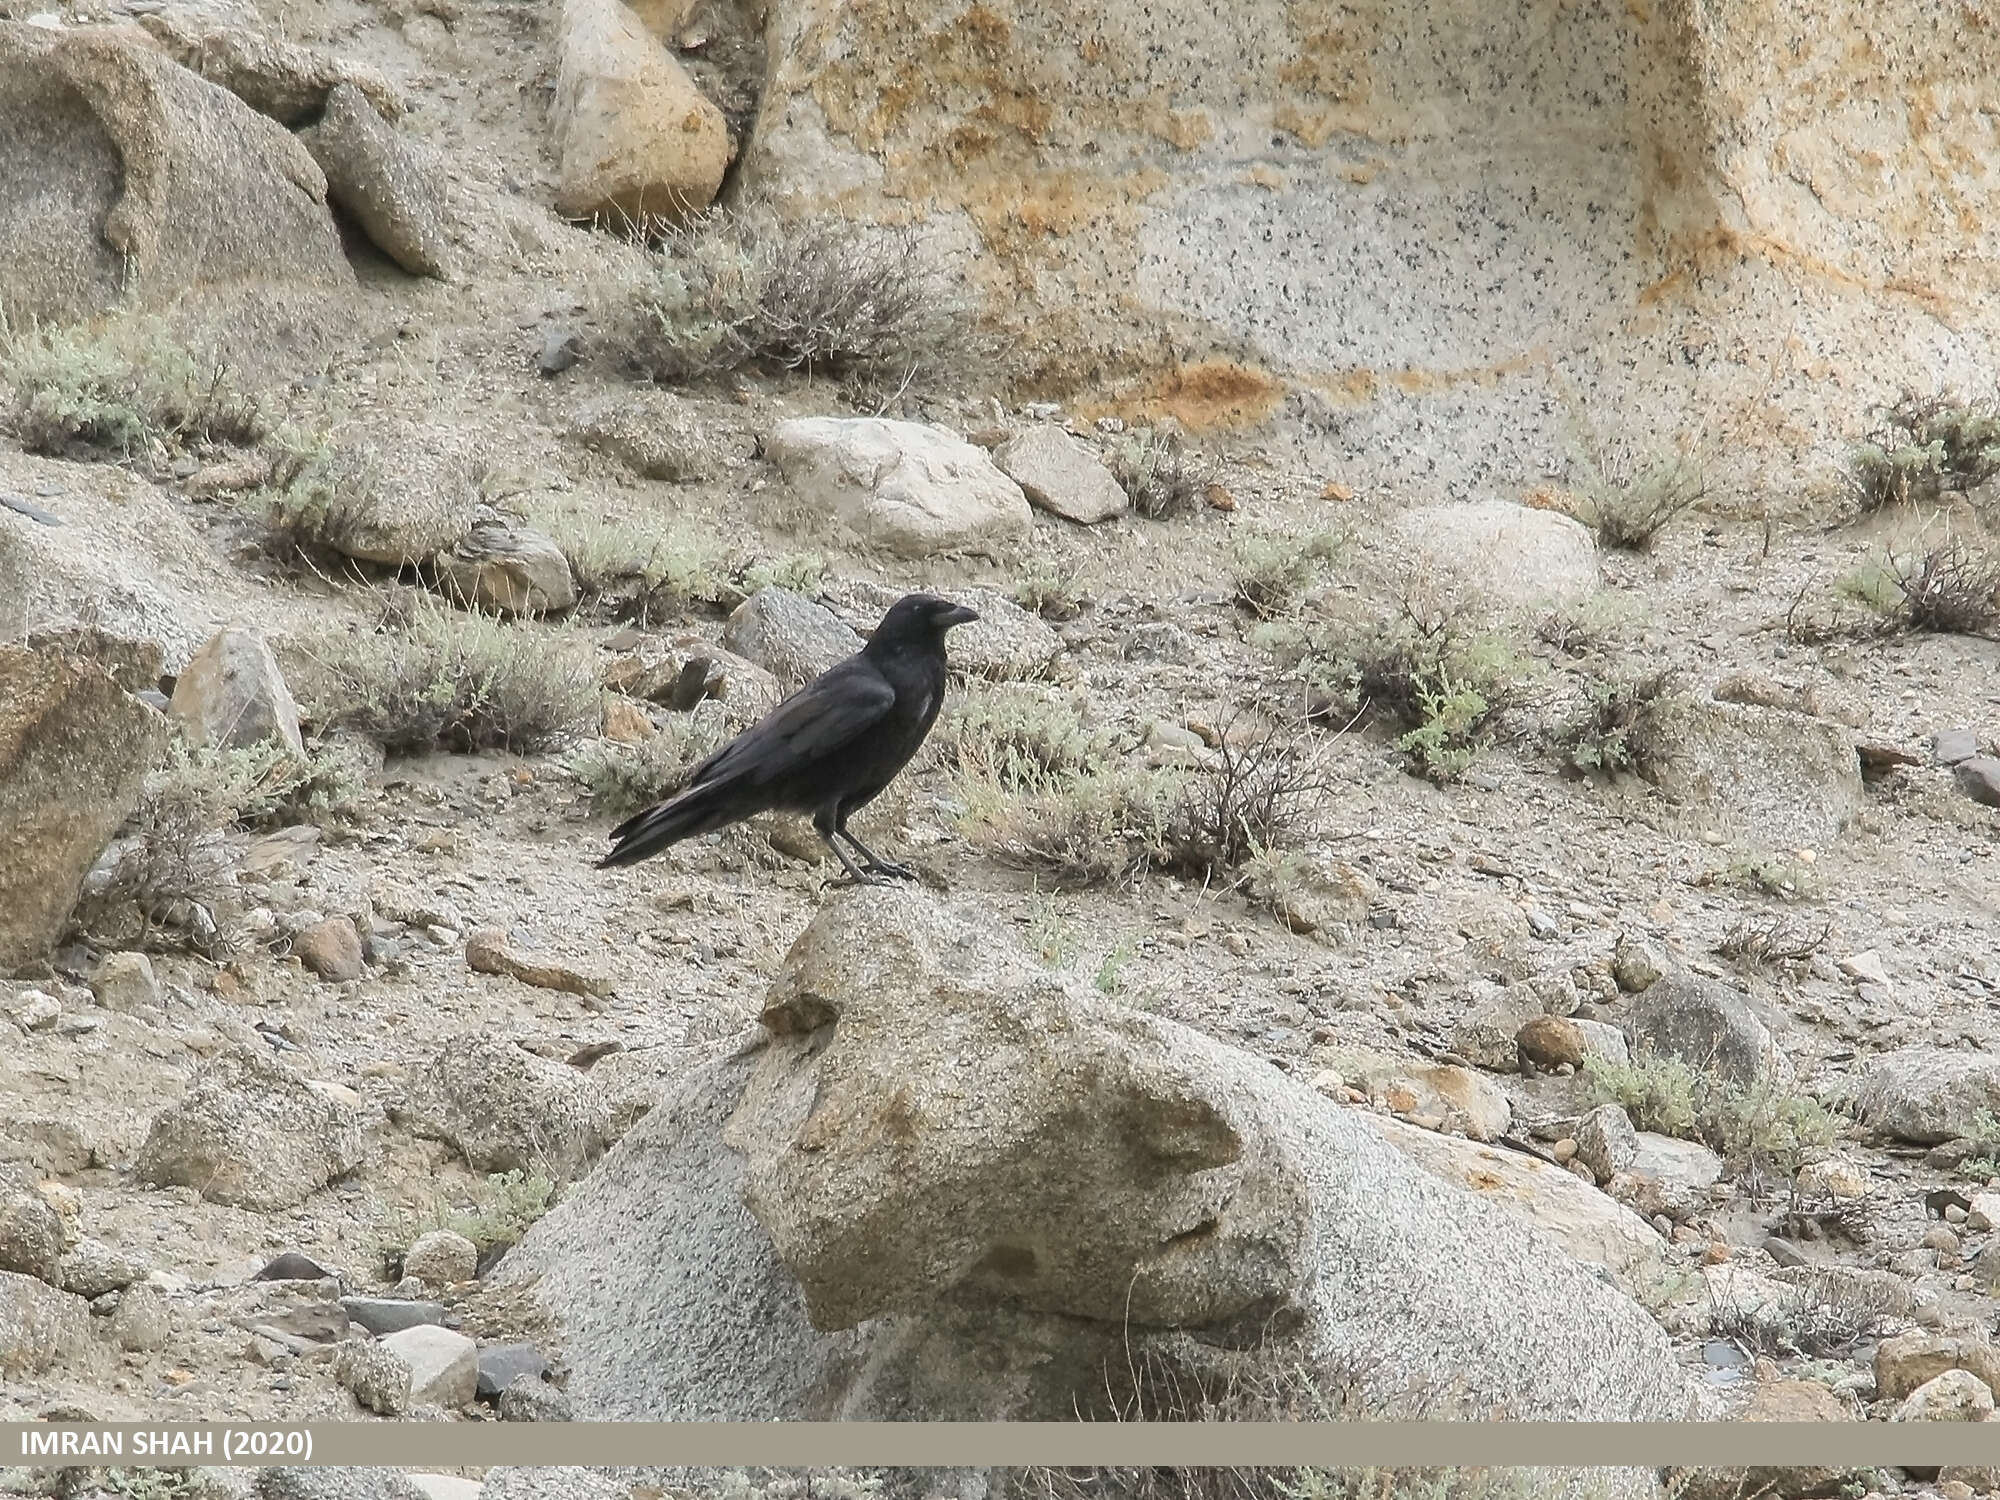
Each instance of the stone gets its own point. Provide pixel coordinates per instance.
(636, 141)
(1771, 1401)
(510, 570)
(535, 1401)
(1979, 779)
(1062, 475)
(443, 1365)
(383, 1315)
(1485, 1037)
(125, 982)
(382, 181)
(39, 1325)
(1502, 554)
(442, 1258)
(1606, 1141)
(75, 749)
(1636, 965)
(897, 1210)
(1550, 1042)
(31, 1237)
(505, 1109)
(1866, 967)
(630, 1083)
(624, 722)
(251, 1133)
(290, 83)
(1909, 1360)
(1707, 1025)
(654, 433)
(447, 1486)
(1954, 1396)
(143, 184)
(45, 1143)
(375, 1375)
(335, 1481)
(500, 1365)
(31, 1010)
(1005, 644)
(488, 952)
(1464, 1100)
(1983, 1212)
(1928, 1095)
(91, 1268)
(1591, 1227)
(408, 489)
(1834, 1177)
(1758, 775)
(233, 696)
(1603, 1041)
(1950, 746)
(909, 488)
(1674, 1163)
(788, 635)
(292, 1266)
(331, 948)
(143, 1323)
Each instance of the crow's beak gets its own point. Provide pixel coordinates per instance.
(958, 614)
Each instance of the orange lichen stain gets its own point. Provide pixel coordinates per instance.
(1555, 498)
(1327, 66)
(1347, 387)
(1313, 130)
(1014, 212)
(1018, 110)
(967, 144)
(1360, 173)
(1185, 130)
(1264, 175)
(1211, 395)
(987, 28)
(1638, 12)
(1091, 49)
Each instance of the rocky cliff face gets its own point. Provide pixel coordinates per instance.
(1382, 220)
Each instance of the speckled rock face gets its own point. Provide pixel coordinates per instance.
(1398, 219)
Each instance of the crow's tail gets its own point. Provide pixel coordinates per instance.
(699, 809)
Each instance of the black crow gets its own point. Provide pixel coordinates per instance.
(826, 750)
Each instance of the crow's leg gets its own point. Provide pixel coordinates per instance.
(876, 864)
(826, 830)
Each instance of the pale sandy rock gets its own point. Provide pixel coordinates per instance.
(233, 695)
(387, 184)
(511, 570)
(1761, 775)
(1062, 475)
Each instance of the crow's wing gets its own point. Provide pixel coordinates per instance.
(832, 710)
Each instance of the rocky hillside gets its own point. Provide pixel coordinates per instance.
(1456, 870)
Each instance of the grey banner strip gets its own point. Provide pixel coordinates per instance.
(1000, 1444)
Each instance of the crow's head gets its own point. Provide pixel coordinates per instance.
(921, 616)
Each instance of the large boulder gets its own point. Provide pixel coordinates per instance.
(904, 486)
(1928, 1094)
(38, 1324)
(1763, 776)
(637, 141)
(400, 491)
(787, 634)
(392, 189)
(1434, 263)
(252, 1133)
(75, 749)
(945, 1183)
(506, 1109)
(1503, 556)
(291, 83)
(1707, 1025)
(137, 180)
(511, 570)
(232, 695)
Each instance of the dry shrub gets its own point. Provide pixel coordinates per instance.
(438, 679)
(1605, 734)
(1161, 474)
(1949, 590)
(1823, 1317)
(1273, 572)
(622, 779)
(1922, 447)
(124, 387)
(826, 295)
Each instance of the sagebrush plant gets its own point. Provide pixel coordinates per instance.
(1823, 1317)
(1629, 510)
(1756, 945)
(1923, 446)
(120, 388)
(622, 779)
(1051, 589)
(665, 568)
(307, 504)
(1018, 736)
(172, 873)
(1761, 1128)
(1272, 572)
(1949, 589)
(740, 289)
(1778, 875)
(438, 679)
(1161, 474)
(1603, 735)
(493, 1210)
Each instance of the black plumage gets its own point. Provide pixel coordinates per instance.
(827, 750)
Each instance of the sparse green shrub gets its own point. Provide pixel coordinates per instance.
(798, 572)
(495, 1210)
(1443, 747)
(1629, 511)
(1107, 979)
(1761, 1129)
(1599, 738)
(664, 569)
(1273, 572)
(826, 294)
(307, 505)
(120, 388)
(1249, 798)
(1774, 875)
(1050, 589)
(1080, 827)
(1923, 446)
(1019, 736)
(172, 872)
(622, 779)
(1164, 477)
(440, 679)
(1051, 933)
